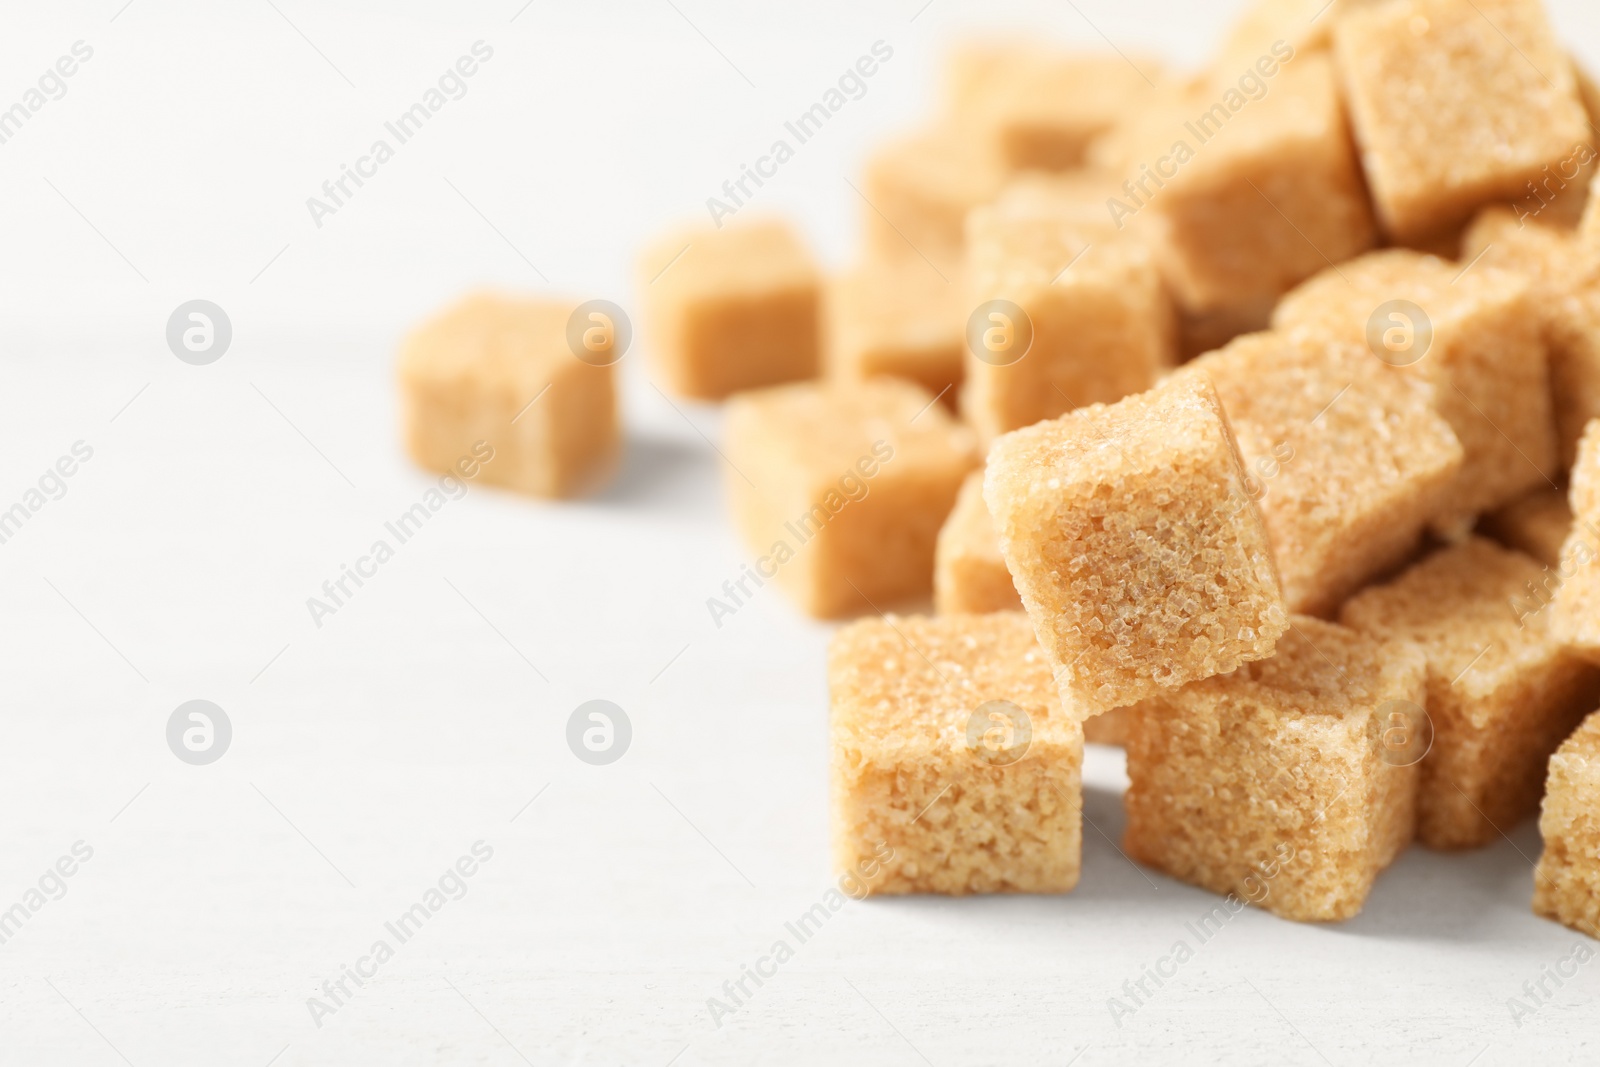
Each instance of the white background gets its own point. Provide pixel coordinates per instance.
(370, 753)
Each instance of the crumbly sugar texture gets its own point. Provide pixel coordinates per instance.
(916, 193)
(1481, 346)
(1269, 784)
(1566, 882)
(951, 756)
(969, 574)
(1095, 320)
(1576, 607)
(731, 308)
(1040, 109)
(1565, 289)
(1253, 181)
(840, 490)
(1135, 545)
(1537, 524)
(497, 374)
(970, 577)
(1502, 693)
(1456, 103)
(897, 320)
(1347, 461)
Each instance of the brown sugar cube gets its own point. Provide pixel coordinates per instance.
(1134, 543)
(1348, 461)
(841, 489)
(1455, 103)
(898, 320)
(1065, 311)
(1474, 334)
(1501, 691)
(917, 191)
(1041, 108)
(1270, 783)
(1253, 181)
(731, 308)
(1566, 883)
(969, 575)
(953, 768)
(1537, 524)
(1575, 608)
(473, 384)
(1565, 291)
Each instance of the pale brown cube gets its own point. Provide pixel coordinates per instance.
(1537, 524)
(1576, 603)
(1501, 691)
(1068, 312)
(953, 768)
(917, 192)
(1271, 783)
(840, 489)
(1040, 109)
(1348, 461)
(1254, 182)
(493, 385)
(1455, 103)
(899, 320)
(1135, 545)
(731, 308)
(1565, 293)
(1566, 883)
(1478, 340)
(969, 575)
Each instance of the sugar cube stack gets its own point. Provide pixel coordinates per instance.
(1245, 416)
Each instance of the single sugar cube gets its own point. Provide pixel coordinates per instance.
(969, 574)
(897, 320)
(970, 578)
(1064, 311)
(1502, 693)
(916, 193)
(1348, 461)
(1566, 883)
(1455, 103)
(1565, 291)
(494, 384)
(1576, 603)
(1474, 334)
(1254, 183)
(1134, 542)
(1537, 524)
(731, 308)
(953, 768)
(1271, 782)
(840, 489)
(1039, 108)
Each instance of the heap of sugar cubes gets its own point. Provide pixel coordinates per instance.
(1244, 418)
